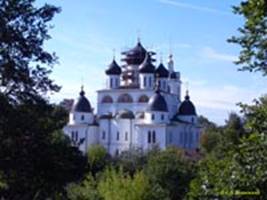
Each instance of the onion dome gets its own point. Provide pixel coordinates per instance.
(135, 55)
(161, 71)
(125, 114)
(83, 104)
(173, 75)
(157, 103)
(106, 116)
(113, 68)
(187, 107)
(147, 66)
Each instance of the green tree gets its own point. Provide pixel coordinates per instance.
(169, 173)
(242, 169)
(117, 185)
(255, 116)
(86, 190)
(37, 161)
(97, 158)
(234, 129)
(24, 62)
(252, 38)
(209, 140)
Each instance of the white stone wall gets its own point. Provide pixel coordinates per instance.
(81, 118)
(143, 136)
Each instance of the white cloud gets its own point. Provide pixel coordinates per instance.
(210, 53)
(194, 7)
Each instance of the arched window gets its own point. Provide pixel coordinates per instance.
(152, 116)
(82, 117)
(162, 117)
(143, 99)
(107, 99)
(125, 98)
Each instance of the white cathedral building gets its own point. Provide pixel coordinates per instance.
(141, 107)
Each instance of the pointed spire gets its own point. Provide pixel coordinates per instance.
(187, 97)
(114, 54)
(170, 63)
(82, 91)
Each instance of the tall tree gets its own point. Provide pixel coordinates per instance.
(253, 35)
(36, 160)
(24, 64)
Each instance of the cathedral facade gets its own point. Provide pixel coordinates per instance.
(140, 108)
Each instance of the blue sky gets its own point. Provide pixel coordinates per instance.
(87, 31)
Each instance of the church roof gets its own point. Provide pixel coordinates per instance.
(161, 71)
(147, 65)
(82, 104)
(157, 103)
(173, 75)
(135, 55)
(113, 68)
(125, 114)
(187, 107)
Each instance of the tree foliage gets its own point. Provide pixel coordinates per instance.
(253, 35)
(242, 169)
(24, 72)
(117, 185)
(170, 173)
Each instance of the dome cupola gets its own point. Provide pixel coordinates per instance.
(82, 104)
(147, 66)
(157, 103)
(125, 114)
(187, 107)
(113, 68)
(136, 55)
(161, 71)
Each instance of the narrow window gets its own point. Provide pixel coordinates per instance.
(149, 137)
(150, 82)
(162, 117)
(117, 152)
(111, 82)
(192, 120)
(117, 82)
(76, 136)
(118, 135)
(72, 135)
(103, 135)
(126, 136)
(73, 117)
(154, 137)
(82, 117)
(145, 81)
(152, 116)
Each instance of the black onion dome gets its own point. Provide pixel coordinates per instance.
(137, 50)
(161, 71)
(135, 55)
(113, 68)
(147, 65)
(83, 104)
(157, 103)
(173, 75)
(125, 114)
(187, 107)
